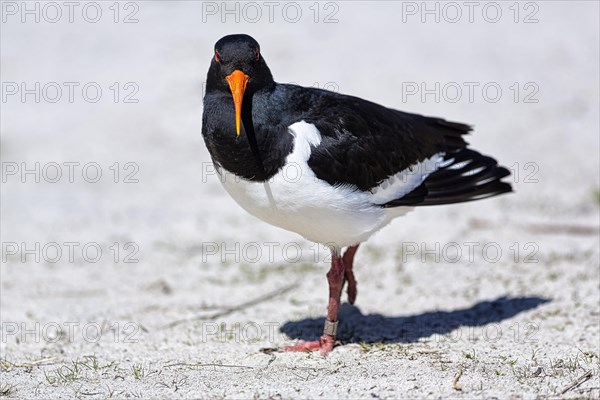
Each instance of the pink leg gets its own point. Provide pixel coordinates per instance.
(335, 278)
(348, 259)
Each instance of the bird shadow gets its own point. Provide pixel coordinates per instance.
(354, 327)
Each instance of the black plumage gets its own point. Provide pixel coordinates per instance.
(362, 144)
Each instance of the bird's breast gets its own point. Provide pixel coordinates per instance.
(296, 200)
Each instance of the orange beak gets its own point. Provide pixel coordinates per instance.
(237, 84)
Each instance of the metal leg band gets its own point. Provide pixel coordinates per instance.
(330, 328)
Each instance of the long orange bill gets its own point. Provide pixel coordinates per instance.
(237, 84)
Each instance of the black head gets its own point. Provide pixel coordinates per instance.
(239, 68)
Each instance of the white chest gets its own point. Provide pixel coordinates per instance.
(296, 200)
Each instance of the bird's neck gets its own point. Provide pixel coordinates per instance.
(260, 150)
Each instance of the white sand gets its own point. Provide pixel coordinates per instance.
(515, 329)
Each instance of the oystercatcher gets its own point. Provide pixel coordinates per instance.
(330, 167)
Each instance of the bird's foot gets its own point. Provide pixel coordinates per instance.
(325, 345)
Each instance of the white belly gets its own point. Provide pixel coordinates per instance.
(296, 200)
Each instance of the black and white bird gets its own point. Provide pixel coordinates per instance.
(330, 167)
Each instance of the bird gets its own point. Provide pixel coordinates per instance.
(330, 167)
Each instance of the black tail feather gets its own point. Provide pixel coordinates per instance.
(466, 175)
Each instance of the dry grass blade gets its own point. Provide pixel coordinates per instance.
(455, 384)
(7, 365)
(579, 381)
(199, 365)
(230, 310)
(557, 229)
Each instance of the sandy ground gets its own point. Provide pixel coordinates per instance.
(190, 297)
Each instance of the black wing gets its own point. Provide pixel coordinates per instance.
(364, 143)
(465, 175)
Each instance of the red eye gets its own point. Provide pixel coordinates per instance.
(217, 59)
(257, 55)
